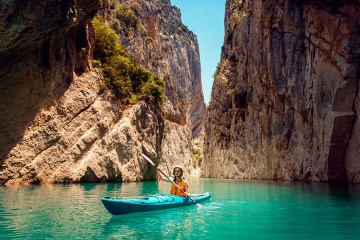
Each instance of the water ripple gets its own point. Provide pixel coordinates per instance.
(237, 209)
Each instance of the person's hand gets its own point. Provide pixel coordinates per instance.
(186, 194)
(158, 169)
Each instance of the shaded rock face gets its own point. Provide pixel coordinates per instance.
(290, 71)
(28, 52)
(85, 138)
(166, 47)
(42, 45)
(55, 125)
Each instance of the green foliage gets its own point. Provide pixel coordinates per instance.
(106, 45)
(128, 14)
(231, 92)
(235, 19)
(128, 81)
(125, 16)
(238, 9)
(154, 89)
(198, 156)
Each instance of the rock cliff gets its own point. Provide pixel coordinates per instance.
(290, 71)
(56, 125)
(160, 42)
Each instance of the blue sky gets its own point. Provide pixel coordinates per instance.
(205, 18)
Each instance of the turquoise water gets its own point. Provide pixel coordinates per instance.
(238, 209)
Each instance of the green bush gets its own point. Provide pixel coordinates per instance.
(198, 156)
(128, 81)
(235, 19)
(154, 89)
(106, 45)
(128, 14)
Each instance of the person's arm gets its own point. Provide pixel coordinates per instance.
(187, 191)
(161, 176)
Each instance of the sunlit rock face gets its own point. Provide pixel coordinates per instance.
(171, 50)
(55, 125)
(285, 100)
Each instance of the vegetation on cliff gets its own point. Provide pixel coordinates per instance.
(125, 17)
(122, 76)
(237, 10)
(197, 156)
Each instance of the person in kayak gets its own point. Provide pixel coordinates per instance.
(178, 179)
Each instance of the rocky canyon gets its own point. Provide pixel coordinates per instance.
(290, 71)
(284, 105)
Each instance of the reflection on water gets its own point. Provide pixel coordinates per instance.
(159, 224)
(238, 209)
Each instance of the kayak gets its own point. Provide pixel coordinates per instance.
(118, 206)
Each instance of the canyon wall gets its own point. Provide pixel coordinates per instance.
(57, 126)
(285, 100)
(160, 42)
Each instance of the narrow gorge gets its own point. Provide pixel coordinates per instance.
(284, 105)
(290, 71)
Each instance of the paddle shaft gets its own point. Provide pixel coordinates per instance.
(177, 186)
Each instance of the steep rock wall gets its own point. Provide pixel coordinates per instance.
(163, 44)
(56, 126)
(290, 71)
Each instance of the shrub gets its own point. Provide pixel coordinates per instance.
(235, 19)
(106, 44)
(198, 156)
(126, 16)
(231, 92)
(128, 81)
(154, 89)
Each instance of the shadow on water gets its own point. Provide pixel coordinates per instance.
(339, 190)
(88, 186)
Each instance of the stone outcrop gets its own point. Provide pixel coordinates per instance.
(56, 126)
(161, 43)
(290, 71)
(176, 58)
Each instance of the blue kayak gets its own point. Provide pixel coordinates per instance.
(118, 206)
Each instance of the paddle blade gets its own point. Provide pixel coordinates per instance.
(199, 205)
(148, 159)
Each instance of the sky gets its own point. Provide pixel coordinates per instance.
(205, 18)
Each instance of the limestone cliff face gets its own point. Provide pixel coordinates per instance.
(163, 44)
(55, 125)
(290, 71)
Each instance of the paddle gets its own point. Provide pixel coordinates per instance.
(177, 186)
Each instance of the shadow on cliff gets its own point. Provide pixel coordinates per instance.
(25, 87)
(41, 47)
(34, 77)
